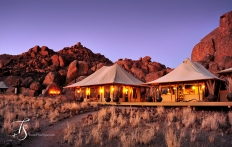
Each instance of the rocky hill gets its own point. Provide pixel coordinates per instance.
(214, 51)
(40, 67)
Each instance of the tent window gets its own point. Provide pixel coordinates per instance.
(134, 93)
(191, 89)
(83, 92)
(121, 92)
(93, 92)
(106, 91)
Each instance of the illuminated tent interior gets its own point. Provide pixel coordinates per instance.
(185, 82)
(104, 82)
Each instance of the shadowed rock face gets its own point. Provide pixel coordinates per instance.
(40, 66)
(214, 51)
(144, 69)
(43, 66)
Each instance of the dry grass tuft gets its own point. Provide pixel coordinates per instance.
(160, 110)
(172, 139)
(188, 117)
(114, 132)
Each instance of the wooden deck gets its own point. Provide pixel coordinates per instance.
(180, 104)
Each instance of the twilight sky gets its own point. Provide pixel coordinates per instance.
(165, 30)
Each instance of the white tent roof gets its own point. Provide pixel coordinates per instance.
(108, 75)
(3, 85)
(186, 71)
(228, 70)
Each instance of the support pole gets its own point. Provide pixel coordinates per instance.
(170, 91)
(198, 90)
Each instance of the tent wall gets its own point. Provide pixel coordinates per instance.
(182, 91)
(98, 93)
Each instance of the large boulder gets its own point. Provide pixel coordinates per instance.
(146, 59)
(76, 69)
(29, 92)
(44, 50)
(72, 71)
(5, 60)
(10, 90)
(27, 82)
(138, 73)
(216, 47)
(82, 68)
(52, 77)
(154, 75)
(36, 86)
(58, 60)
(13, 81)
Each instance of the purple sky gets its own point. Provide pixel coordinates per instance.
(165, 30)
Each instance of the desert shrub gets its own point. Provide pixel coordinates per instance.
(84, 105)
(53, 116)
(193, 135)
(188, 117)
(170, 116)
(134, 121)
(114, 132)
(146, 136)
(122, 121)
(94, 104)
(69, 133)
(102, 115)
(146, 116)
(127, 140)
(160, 110)
(79, 140)
(97, 135)
(211, 137)
(172, 138)
(230, 117)
(48, 105)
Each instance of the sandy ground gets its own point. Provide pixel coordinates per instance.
(55, 131)
(53, 135)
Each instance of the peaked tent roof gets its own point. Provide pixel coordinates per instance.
(114, 74)
(3, 85)
(186, 71)
(228, 70)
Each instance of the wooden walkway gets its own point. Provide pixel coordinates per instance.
(180, 104)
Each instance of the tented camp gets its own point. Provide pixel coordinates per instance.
(109, 82)
(3, 87)
(186, 82)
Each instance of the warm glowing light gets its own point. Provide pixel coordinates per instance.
(113, 89)
(203, 86)
(174, 88)
(193, 87)
(54, 91)
(126, 90)
(101, 90)
(78, 91)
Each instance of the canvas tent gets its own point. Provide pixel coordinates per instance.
(3, 87)
(106, 79)
(108, 75)
(186, 71)
(226, 71)
(185, 82)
